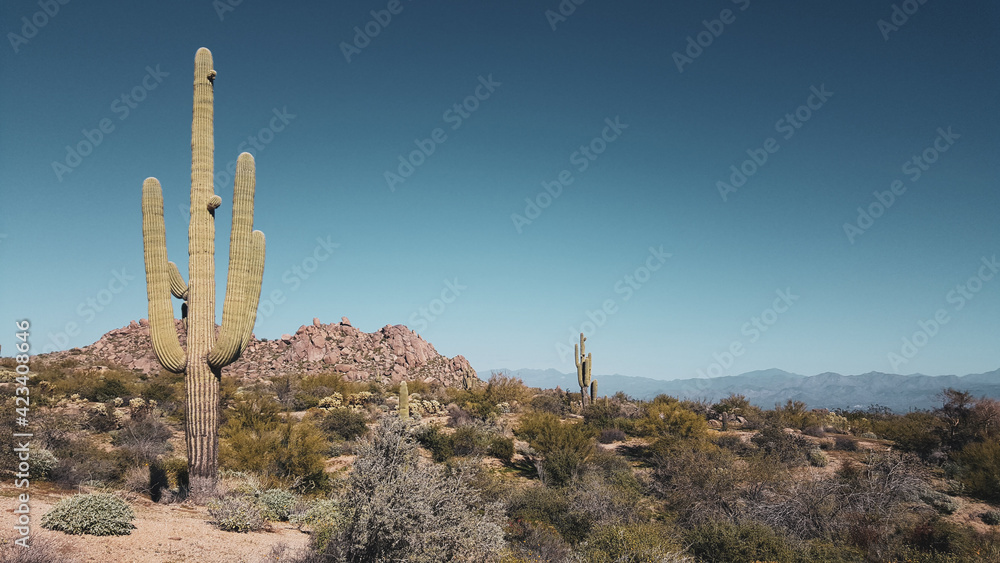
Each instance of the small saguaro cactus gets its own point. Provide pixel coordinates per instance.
(404, 401)
(206, 353)
(583, 371)
(593, 391)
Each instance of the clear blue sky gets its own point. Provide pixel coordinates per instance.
(879, 97)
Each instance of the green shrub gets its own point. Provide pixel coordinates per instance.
(97, 514)
(818, 458)
(469, 440)
(315, 513)
(992, 517)
(981, 464)
(777, 444)
(439, 443)
(502, 448)
(564, 447)
(551, 507)
(345, 423)
(666, 416)
(633, 543)
(739, 543)
(941, 502)
(869, 436)
(276, 504)
(43, 463)
(918, 432)
(846, 444)
(237, 513)
(547, 403)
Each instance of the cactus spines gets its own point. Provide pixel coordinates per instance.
(582, 368)
(404, 401)
(204, 358)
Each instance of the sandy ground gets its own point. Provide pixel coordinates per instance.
(164, 533)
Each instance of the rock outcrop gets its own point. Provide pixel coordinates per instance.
(393, 353)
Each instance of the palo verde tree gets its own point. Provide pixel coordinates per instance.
(206, 353)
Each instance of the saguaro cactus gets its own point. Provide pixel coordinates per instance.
(583, 371)
(404, 401)
(206, 353)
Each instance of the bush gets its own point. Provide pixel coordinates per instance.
(992, 517)
(276, 504)
(777, 444)
(237, 513)
(918, 432)
(394, 508)
(665, 416)
(846, 444)
(344, 423)
(99, 514)
(41, 549)
(143, 441)
(818, 458)
(610, 436)
(43, 463)
(502, 448)
(633, 543)
(564, 447)
(547, 403)
(981, 464)
(550, 507)
(439, 443)
(739, 543)
(940, 501)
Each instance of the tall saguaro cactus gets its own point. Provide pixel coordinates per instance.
(206, 353)
(583, 371)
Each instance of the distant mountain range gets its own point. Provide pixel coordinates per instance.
(766, 387)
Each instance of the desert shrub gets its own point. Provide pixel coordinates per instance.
(869, 436)
(666, 416)
(457, 416)
(144, 440)
(344, 423)
(40, 549)
(814, 431)
(502, 448)
(316, 513)
(237, 513)
(938, 535)
(469, 440)
(97, 514)
(781, 446)
(505, 388)
(449, 520)
(793, 414)
(107, 389)
(532, 541)
(550, 507)
(563, 447)
(602, 414)
(940, 501)
(43, 463)
(547, 403)
(439, 443)
(818, 458)
(739, 543)
(980, 463)
(845, 443)
(733, 443)
(632, 543)
(918, 432)
(276, 504)
(991, 517)
(81, 461)
(610, 436)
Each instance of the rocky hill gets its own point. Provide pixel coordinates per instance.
(393, 353)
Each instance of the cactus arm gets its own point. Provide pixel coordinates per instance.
(593, 392)
(178, 288)
(162, 331)
(246, 268)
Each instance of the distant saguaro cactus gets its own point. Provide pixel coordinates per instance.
(404, 401)
(206, 354)
(583, 371)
